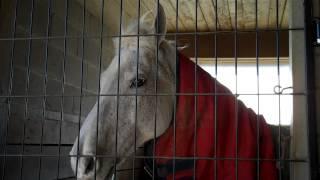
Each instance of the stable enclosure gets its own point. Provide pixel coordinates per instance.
(54, 51)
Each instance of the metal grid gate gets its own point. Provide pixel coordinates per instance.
(53, 53)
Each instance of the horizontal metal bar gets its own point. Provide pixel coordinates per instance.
(158, 157)
(158, 94)
(245, 45)
(36, 144)
(142, 35)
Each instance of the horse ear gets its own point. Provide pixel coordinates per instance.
(160, 22)
(147, 18)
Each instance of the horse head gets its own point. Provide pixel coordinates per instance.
(128, 111)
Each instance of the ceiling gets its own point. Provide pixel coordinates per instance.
(208, 20)
(211, 14)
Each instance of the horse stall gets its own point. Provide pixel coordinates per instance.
(66, 111)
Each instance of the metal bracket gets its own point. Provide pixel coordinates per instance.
(316, 31)
(280, 90)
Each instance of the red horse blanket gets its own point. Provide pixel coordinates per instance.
(227, 139)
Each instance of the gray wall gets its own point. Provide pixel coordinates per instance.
(28, 116)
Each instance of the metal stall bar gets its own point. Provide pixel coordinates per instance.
(99, 86)
(258, 87)
(279, 94)
(152, 34)
(195, 92)
(175, 89)
(118, 92)
(66, 11)
(10, 86)
(156, 89)
(236, 90)
(151, 94)
(163, 157)
(81, 82)
(44, 100)
(27, 88)
(310, 84)
(136, 92)
(215, 92)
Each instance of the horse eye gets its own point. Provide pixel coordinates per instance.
(137, 82)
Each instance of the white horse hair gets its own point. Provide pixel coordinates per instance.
(98, 142)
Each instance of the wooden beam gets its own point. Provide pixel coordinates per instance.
(267, 44)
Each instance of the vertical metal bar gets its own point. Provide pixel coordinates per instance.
(258, 89)
(44, 100)
(311, 102)
(99, 86)
(10, 86)
(279, 94)
(66, 11)
(317, 38)
(176, 90)
(156, 91)
(26, 100)
(136, 90)
(195, 93)
(215, 95)
(236, 93)
(81, 81)
(118, 91)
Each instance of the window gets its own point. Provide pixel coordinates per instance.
(267, 103)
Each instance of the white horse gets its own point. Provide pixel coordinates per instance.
(126, 121)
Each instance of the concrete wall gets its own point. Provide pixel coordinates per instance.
(28, 116)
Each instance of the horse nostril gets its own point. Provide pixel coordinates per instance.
(90, 165)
